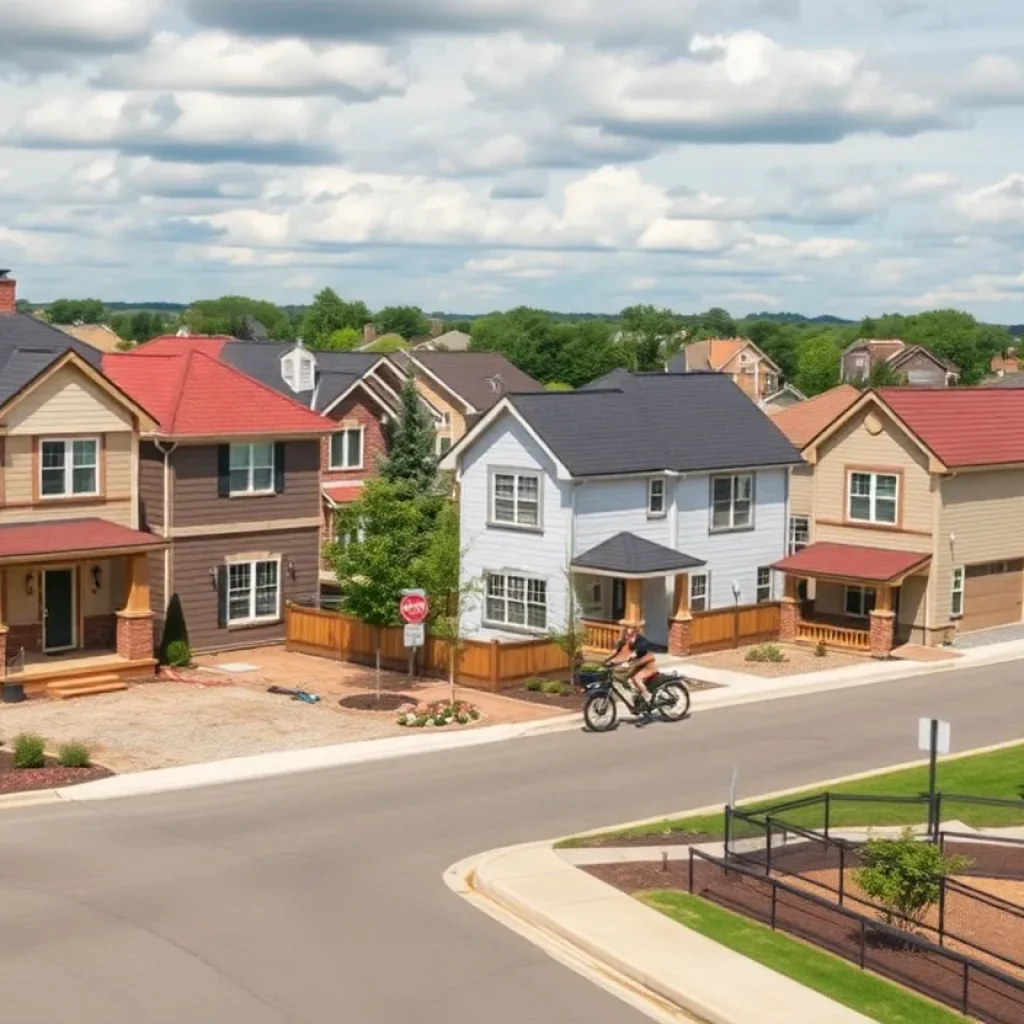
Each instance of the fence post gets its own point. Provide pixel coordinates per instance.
(863, 941)
(828, 813)
(495, 666)
(966, 994)
(842, 874)
(775, 900)
(768, 846)
(942, 912)
(690, 873)
(938, 816)
(728, 840)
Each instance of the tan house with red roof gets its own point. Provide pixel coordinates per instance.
(914, 525)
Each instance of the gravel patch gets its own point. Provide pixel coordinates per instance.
(160, 725)
(799, 661)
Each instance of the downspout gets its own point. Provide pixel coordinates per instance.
(168, 580)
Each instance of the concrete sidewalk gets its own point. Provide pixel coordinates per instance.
(537, 886)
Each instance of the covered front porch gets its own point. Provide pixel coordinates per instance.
(624, 581)
(75, 613)
(864, 599)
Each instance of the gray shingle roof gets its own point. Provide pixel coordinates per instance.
(29, 345)
(688, 422)
(1011, 380)
(468, 373)
(627, 554)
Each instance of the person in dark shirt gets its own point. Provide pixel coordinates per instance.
(635, 648)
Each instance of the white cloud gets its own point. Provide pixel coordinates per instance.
(99, 25)
(999, 206)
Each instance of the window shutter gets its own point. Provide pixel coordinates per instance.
(222, 596)
(279, 467)
(223, 470)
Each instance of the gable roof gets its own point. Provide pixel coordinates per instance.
(903, 355)
(801, 423)
(466, 375)
(99, 336)
(28, 346)
(878, 348)
(649, 423)
(712, 354)
(776, 396)
(450, 341)
(1011, 380)
(192, 394)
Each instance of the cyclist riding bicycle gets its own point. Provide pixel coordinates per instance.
(636, 649)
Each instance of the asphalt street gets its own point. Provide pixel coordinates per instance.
(318, 898)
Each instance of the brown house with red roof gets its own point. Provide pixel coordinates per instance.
(914, 518)
(229, 478)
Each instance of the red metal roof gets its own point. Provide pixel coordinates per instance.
(173, 345)
(851, 561)
(342, 493)
(963, 426)
(192, 394)
(31, 540)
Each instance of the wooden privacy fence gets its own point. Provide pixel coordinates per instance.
(725, 628)
(484, 664)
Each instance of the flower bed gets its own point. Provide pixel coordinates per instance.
(440, 713)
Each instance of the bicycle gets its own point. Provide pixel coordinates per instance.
(607, 687)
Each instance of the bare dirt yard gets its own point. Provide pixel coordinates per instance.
(799, 661)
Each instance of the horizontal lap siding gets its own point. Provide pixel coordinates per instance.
(195, 557)
(151, 487)
(801, 491)
(607, 507)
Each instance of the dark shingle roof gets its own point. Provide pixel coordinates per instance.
(690, 422)
(629, 555)
(1011, 380)
(29, 345)
(468, 374)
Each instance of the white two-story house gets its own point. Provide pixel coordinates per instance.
(652, 495)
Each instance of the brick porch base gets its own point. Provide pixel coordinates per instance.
(135, 635)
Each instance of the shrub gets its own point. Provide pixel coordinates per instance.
(535, 685)
(74, 755)
(29, 751)
(820, 650)
(905, 876)
(174, 628)
(554, 688)
(766, 653)
(178, 654)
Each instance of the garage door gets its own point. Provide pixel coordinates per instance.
(993, 594)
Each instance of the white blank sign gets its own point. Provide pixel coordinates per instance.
(924, 736)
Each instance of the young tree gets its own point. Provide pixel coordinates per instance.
(450, 597)
(344, 340)
(411, 457)
(408, 321)
(573, 636)
(648, 335)
(818, 365)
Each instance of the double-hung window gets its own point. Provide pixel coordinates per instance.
(732, 502)
(859, 601)
(252, 468)
(515, 499)
(69, 467)
(764, 584)
(873, 498)
(656, 497)
(700, 591)
(799, 533)
(347, 449)
(956, 593)
(514, 600)
(254, 592)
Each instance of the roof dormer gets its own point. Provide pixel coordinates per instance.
(298, 368)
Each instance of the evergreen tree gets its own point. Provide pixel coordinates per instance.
(412, 455)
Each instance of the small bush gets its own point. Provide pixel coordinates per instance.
(178, 654)
(766, 653)
(29, 751)
(820, 650)
(535, 685)
(554, 688)
(74, 755)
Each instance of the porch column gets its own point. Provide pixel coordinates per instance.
(3, 624)
(135, 620)
(681, 621)
(634, 604)
(882, 620)
(789, 610)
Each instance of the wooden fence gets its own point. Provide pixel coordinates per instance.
(483, 664)
(725, 628)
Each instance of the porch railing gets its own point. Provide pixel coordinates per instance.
(601, 636)
(833, 636)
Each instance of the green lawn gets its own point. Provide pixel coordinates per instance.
(843, 982)
(997, 774)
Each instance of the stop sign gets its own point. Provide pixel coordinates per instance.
(413, 607)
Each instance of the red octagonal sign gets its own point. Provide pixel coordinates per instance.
(413, 608)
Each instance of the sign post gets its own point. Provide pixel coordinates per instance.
(413, 609)
(933, 736)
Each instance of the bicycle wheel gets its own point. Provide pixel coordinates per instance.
(672, 701)
(600, 712)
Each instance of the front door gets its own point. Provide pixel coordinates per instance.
(58, 609)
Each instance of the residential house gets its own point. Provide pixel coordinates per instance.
(655, 494)
(913, 529)
(739, 358)
(919, 366)
(1010, 380)
(450, 341)
(75, 612)
(99, 336)
(229, 477)
(1004, 364)
(786, 397)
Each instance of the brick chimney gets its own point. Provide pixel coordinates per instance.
(8, 292)
(369, 334)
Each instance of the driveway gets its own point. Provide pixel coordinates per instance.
(314, 898)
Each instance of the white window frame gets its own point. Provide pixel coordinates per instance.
(763, 587)
(252, 467)
(957, 586)
(700, 602)
(69, 467)
(735, 479)
(304, 367)
(526, 579)
(865, 605)
(872, 497)
(344, 464)
(654, 485)
(518, 475)
(792, 544)
(252, 618)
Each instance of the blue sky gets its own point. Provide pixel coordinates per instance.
(843, 156)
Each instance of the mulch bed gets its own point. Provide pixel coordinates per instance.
(371, 702)
(934, 975)
(53, 776)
